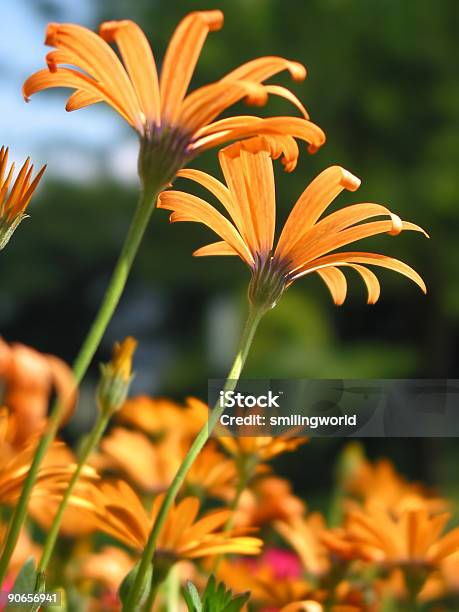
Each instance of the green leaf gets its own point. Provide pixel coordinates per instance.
(191, 596)
(24, 583)
(128, 581)
(215, 598)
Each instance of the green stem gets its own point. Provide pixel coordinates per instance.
(248, 333)
(246, 470)
(112, 296)
(90, 444)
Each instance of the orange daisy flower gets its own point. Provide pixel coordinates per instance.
(14, 202)
(173, 126)
(29, 378)
(268, 499)
(52, 478)
(304, 535)
(260, 448)
(267, 585)
(379, 481)
(117, 511)
(306, 241)
(410, 538)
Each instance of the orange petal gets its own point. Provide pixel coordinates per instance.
(216, 248)
(81, 99)
(263, 68)
(66, 77)
(283, 92)
(89, 52)
(320, 244)
(139, 62)
(371, 281)
(261, 191)
(187, 207)
(357, 257)
(181, 57)
(206, 103)
(336, 283)
(216, 187)
(314, 200)
(237, 128)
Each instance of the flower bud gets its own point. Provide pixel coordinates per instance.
(116, 376)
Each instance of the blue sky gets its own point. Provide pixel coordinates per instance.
(76, 145)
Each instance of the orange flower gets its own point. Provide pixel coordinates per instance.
(260, 448)
(117, 511)
(108, 567)
(149, 466)
(152, 466)
(25, 548)
(412, 538)
(306, 240)
(162, 418)
(304, 535)
(13, 204)
(269, 585)
(52, 477)
(380, 482)
(155, 416)
(212, 474)
(303, 606)
(173, 126)
(268, 499)
(29, 378)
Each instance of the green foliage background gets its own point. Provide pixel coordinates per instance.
(383, 84)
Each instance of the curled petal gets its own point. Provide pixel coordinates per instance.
(263, 68)
(336, 283)
(314, 200)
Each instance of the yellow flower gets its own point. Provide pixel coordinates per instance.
(14, 202)
(306, 240)
(173, 126)
(117, 511)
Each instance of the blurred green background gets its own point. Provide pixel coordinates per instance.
(383, 84)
